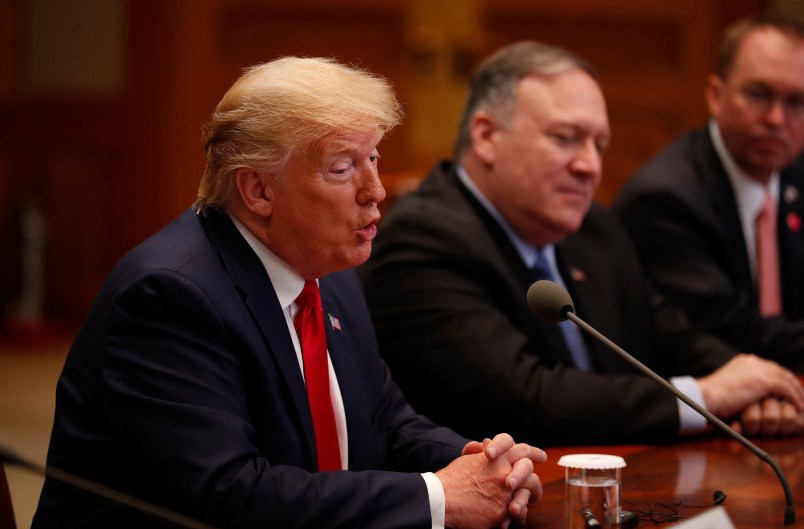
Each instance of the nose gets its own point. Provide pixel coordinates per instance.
(587, 160)
(370, 190)
(775, 113)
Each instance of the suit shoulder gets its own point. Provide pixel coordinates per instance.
(601, 224)
(675, 167)
(438, 210)
(679, 175)
(180, 247)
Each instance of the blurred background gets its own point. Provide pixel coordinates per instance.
(102, 101)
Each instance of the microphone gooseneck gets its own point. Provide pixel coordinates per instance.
(551, 302)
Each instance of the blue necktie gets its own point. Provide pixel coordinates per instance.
(572, 335)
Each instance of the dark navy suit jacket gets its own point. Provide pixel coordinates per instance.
(681, 212)
(183, 388)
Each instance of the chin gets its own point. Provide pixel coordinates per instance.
(572, 222)
(355, 259)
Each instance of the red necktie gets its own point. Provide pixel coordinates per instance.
(309, 323)
(770, 303)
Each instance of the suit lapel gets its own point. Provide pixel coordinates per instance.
(791, 238)
(509, 265)
(254, 286)
(720, 197)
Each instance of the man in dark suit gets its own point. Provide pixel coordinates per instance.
(693, 210)
(447, 280)
(188, 384)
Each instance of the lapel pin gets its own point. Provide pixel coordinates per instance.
(577, 274)
(793, 222)
(336, 324)
(790, 194)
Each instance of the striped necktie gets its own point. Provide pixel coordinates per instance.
(572, 335)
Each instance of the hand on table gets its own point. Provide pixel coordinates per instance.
(491, 484)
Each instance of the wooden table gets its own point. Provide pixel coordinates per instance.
(689, 471)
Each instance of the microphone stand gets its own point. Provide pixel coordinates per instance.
(790, 510)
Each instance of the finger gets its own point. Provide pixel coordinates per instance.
(520, 471)
(518, 508)
(789, 418)
(793, 390)
(472, 447)
(799, 424)
(534, 485)
(800, 403)
(501, 443)
(751, 419)
(526, 451)
(771, 417)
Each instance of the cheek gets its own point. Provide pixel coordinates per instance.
(797, 137)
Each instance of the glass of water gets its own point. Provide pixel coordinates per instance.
(593, 486)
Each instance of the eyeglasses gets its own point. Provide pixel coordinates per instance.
(762, 99)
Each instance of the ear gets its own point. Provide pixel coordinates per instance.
(254, 190)
(483, 129)
(714, 92)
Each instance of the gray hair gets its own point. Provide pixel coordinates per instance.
(492, 87)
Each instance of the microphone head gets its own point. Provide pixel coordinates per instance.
(549, 301)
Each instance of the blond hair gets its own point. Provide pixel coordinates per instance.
(288, 104)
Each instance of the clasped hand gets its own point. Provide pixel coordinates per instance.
(492, 484)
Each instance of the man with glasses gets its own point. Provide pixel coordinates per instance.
(717, 216)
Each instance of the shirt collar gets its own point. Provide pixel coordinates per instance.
(749, 194)
(287, 282)
(527, 252)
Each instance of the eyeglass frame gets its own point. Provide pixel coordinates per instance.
(761, 98)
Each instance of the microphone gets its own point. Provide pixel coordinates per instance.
(142, 506)
(552, 303)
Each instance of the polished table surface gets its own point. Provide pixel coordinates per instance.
(688, 472)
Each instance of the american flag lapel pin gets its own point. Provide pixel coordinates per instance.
(577, 274)
(336, 324)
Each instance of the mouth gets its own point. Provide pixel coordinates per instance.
(369, 231)
(770, 143)
(577, 194)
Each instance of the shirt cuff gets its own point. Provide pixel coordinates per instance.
(438, 502)
(690, 421)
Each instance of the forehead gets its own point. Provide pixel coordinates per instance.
(769, 56)
(349, 142)
(572, 96)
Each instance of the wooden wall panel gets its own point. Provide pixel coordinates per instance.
(650, 64)
(108, 171)
(63, 160)
(370, 37)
